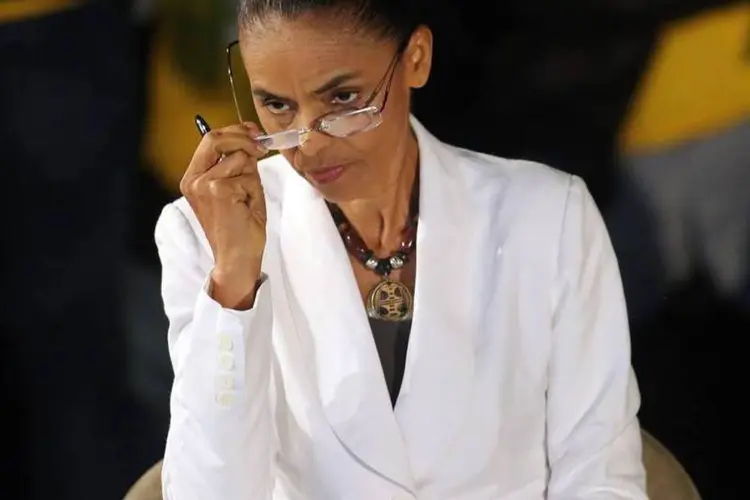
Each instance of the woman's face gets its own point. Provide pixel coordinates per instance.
(300, 70)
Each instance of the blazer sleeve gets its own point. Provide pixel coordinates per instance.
(593, 435)
(221, 437)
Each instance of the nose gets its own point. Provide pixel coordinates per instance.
(313, 143)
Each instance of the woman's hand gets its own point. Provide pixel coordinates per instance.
(224, 189)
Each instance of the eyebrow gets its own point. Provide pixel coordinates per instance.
(336, 81)
(331, 84)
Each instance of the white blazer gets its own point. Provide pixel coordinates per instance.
(518, 382)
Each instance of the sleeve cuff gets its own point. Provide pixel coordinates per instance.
(242, 317)
(221, 340)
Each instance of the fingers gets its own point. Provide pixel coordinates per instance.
(239, 171)
(251, 185)
(235, 164)
(236, 170)
(245, 189)
(224, 142)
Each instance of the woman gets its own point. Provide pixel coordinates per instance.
(293, 284)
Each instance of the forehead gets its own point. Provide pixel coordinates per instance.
(309, 49)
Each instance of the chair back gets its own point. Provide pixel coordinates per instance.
(666, 479)
(148, 487)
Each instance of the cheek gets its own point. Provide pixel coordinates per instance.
(394, 127)
(380, 142)
(399, 104)
(365, 146)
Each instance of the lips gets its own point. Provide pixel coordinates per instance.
(327, 175)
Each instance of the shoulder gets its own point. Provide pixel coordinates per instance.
(530, 206)
(545, 217)
(484, 172)
(523, 198)
(529, 190)
(529, 178)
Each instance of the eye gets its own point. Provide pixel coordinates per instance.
(276, 107)
(345, 97)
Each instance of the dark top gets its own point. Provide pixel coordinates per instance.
(391, 340)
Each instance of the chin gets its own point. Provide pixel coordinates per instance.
(341, 191)
(335, 193)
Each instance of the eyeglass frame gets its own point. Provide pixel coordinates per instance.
(317, 124)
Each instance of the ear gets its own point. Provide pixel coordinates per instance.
(418, 58)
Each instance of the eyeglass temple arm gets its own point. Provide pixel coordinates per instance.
(387, 79)
(230, 73)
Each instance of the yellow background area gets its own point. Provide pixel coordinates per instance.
(698, 81)
(15, 10)
(171, 134)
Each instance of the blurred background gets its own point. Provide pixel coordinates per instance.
(647, 100)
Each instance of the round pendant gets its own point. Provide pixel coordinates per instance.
(390, 301)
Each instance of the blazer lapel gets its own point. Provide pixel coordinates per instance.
(451, 251)
(349, 375)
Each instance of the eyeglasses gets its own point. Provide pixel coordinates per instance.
(339, 123)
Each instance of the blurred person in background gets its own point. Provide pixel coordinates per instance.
(685, 148)
(70, 138)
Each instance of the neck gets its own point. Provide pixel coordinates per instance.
(380, 220)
